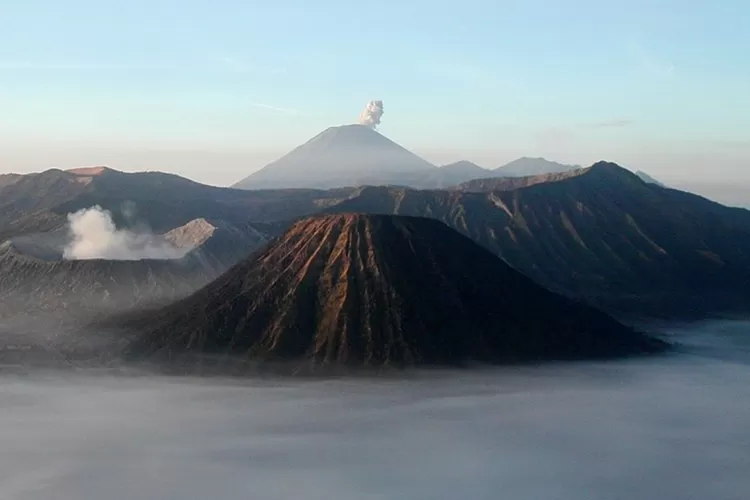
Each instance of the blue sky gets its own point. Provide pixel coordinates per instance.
(214, 89)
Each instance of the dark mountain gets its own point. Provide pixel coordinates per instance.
(511, 183)
(35, 193)
(603, 236)
(8, 179)
(376, 290)
(526, 166)
(647, 178)
(41, 202)
(451, 174)
(34, 276)
(31, 283)
(349, 155)
(217, 245)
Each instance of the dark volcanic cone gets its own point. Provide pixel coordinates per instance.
(380, 289)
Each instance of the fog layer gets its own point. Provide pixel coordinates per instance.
(655, 429)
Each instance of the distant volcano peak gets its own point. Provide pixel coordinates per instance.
(345, 155)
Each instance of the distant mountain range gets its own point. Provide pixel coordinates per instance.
(374, 290)
(355, 155)
(450, 175)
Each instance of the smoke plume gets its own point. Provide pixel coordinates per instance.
(371, 115)
(95, 236)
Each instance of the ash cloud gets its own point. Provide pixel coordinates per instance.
(93, 235)
(371, 115)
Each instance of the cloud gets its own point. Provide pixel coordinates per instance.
(287, 111)
(616, 123)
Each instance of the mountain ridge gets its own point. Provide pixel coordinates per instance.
(595, 236)
(41, 201)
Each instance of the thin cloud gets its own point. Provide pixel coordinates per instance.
(286, 111)
(617, 123)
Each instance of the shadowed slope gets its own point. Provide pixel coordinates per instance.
(8, 179)
(648, 179)
(511, 183)
(28, 283)
(381, 289)
(600, 234)
(34, 276)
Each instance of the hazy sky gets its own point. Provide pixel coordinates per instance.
(215, 89)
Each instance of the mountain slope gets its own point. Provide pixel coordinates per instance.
(380, 289)
(8, 179)
(30, 283)
(41, 202)
(603, 235)
(348, 155)
(34, 193)
(34, 276)
(526, 166)
(451, 174)
(511, 183)
(217, 245)
(648, 179)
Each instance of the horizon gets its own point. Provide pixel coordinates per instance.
(218, 92)
(726, 193)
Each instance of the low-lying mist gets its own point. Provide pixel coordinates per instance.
(650, 429)
(94, 236)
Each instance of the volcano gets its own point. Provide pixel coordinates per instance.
(349, 155)
(377, 289)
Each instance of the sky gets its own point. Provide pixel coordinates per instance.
(213, 90)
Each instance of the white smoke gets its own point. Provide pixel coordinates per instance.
(95, 236)
(371, 115)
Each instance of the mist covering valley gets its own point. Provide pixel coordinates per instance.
(668, 428)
